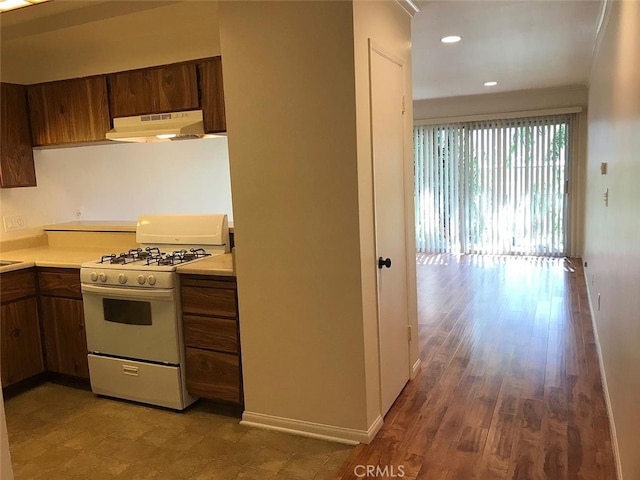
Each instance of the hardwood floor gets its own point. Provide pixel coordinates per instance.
(509, 386)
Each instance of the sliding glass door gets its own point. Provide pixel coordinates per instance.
(495, 187)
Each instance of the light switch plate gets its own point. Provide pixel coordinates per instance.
(603, 168)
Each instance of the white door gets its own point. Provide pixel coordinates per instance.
(386, 74)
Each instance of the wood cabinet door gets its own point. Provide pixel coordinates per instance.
(213, 375)
(153, 90)
(64, 334)
(16, 155)
(21, 349)
(212, 95)
(69, 111)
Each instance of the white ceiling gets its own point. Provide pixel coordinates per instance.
(520, 44)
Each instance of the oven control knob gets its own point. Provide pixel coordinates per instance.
(102, 277)
(122, 278)
(141, 279)
(94, 276)
(151, 280)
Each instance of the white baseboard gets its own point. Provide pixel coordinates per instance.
(416, 368)
(320, 431)
(603, 375)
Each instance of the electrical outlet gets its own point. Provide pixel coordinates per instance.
(14, 222)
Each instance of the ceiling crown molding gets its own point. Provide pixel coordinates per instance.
(410, 7)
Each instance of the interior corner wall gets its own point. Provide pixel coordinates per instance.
(389, 26)
(291, 120)
(612, 231)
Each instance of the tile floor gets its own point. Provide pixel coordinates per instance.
(59, 432)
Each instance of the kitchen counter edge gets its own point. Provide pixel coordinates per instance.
(58, 257)
(221, 265)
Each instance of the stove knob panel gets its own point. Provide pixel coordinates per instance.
(151, 280)
(94, 276)
(102, 277)
(141, 279)
(122, 278)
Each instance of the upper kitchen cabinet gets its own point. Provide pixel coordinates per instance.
(16, 154)
(169, 88)
(212, 95)
(69, 111)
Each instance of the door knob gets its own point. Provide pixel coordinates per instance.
(384, 262)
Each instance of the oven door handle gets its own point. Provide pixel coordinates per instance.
(129, 293)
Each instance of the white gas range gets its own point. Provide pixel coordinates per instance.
(132, 308)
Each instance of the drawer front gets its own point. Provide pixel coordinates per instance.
(209, 301)
(213, 375)
(138, 381)
(208, 281)
(211, 333)
(60, 282)
(17, 284)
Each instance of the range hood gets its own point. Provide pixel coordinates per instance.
(160, 127)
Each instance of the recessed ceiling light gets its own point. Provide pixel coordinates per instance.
(490, 84)
(451, 39)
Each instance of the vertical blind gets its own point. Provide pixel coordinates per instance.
(493, 187)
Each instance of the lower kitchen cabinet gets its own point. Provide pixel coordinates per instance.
(210, 324)
(62, 316)
(20, 340)
(64, 337)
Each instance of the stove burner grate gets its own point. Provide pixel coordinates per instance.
(153, 256)
(176, 257)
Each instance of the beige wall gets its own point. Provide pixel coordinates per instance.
(522, 100)
(390, 28)
(81, 42)
(291, 118)
(613, 232)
